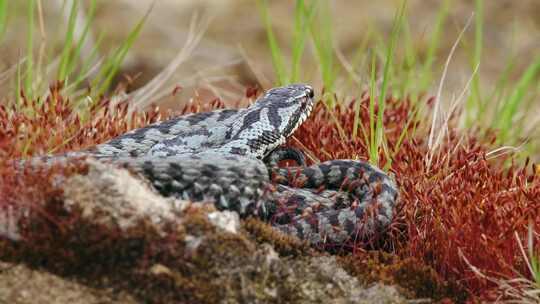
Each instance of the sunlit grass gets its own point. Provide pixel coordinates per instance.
(474, 105)
(378, 72)
(409, 75)
(72, 49)
(303, 16)
(65, 68)
(29, 63)
(377, 129)
(427, 69)
(68, 65)
(302, 19)
(323, 41)
(112, 63)
(510, 108)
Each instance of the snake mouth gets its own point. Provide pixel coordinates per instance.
(303, 112)
(307, 106)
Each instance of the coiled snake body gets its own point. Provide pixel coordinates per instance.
(229, 157)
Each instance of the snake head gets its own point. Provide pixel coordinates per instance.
(284, 109)
(288, 107)
(268, 123)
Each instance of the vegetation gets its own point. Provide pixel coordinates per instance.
(466, 202)
(486, 209)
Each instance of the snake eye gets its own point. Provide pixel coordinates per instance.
(310, 92)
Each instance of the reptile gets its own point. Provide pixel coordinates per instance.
(229, 157)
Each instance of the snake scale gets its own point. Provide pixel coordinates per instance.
(229, 157)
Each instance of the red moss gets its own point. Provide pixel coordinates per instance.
(462, 203)
(57, 124)
(53, 125)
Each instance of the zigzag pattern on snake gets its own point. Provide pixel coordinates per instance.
(229, 157)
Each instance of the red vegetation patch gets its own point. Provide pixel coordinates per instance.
(462, 204)
(56, 124)
(53, 125)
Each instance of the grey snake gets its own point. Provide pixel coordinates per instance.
(229, 157)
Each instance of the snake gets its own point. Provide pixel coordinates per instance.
(230, 157)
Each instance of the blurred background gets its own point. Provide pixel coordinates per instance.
(215, 48)
(234, 35)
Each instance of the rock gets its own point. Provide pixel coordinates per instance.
(119, 238)
(111, 196)
(226, 220)
(8, 223)
(21, 285)
(322, 280)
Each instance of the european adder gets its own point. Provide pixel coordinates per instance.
(229, 157)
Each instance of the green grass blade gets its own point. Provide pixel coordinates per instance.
(68, 42)
(324, 48)
(359, 54)
(474, 103)
(390, 55)
(299, 35)
(88, 63)
(109, 69)
(510, 107)
(3, 17)
(434, 43)
(379, 129)
(28, 77)
(359, 61)
(373, 153)
(405, 71)
(275, 51)
(18, 87)
(535, 265)
(414, 114)
(478, 45)
(497, 95)
(356, 122)
(81, 42)
(302, 20)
